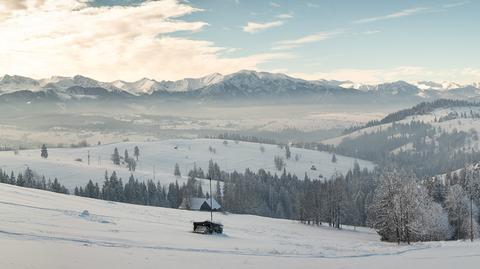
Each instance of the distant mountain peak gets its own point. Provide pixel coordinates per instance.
(244, 83)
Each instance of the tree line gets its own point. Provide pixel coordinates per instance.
(398, 204)
(420, 109)
(30, 179)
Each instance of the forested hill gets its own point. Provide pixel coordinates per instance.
(420, 109)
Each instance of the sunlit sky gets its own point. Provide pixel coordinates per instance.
(366, 41)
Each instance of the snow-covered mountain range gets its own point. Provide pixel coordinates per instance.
(242, 84)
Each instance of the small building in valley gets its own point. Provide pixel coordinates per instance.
(200, 204)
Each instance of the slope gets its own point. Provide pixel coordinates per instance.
(161, 157)
(47, 230)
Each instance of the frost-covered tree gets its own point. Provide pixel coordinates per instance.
(458, 205)
(472, 187)
(431, 220)
(402, 210)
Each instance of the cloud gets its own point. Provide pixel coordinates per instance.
(406, 73)
(284, 16)
(471, 72)
(293, 43)
(456, 4)
(255, 27)
(371, 32)
(274, 4)
(312, 5)
(399, 14)
(41, 38)
(8, 5)
(372, 76)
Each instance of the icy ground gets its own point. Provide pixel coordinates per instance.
(40, 229)
(161, 156)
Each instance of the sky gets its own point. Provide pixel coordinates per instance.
(368, 41)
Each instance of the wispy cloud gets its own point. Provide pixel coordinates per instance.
(399, 14)
(255, 27)
(293, 43)
(284, 16)
(312, 5)
(406, 73)
(370, 32)
(456, 4)
(409, 73)
(274, 4)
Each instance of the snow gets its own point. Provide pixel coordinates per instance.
(461, 124)
(163, 155)
(47, 230)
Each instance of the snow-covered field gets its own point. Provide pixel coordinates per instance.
(161, 156)
(40, 229)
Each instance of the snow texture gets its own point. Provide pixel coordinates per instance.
(64, 163)
(39, 229)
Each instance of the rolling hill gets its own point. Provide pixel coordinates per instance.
(70, 165)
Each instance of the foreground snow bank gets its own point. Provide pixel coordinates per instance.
(39, 229)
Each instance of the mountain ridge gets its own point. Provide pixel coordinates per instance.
(242, 84)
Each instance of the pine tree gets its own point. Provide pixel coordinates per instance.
(218, 193)
(20, 181)
(136, 152)
(116, 157)
(176, 171)
(125, 156)
(44, 152)
(334, 158)
(287, 152)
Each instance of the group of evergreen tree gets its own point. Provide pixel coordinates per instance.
(133, 191)
(140, 192)
(131, 163)
(340, 200)
(245, 138)
(29, 179)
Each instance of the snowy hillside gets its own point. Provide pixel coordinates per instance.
(448, 123)
(65, 164)
(61, 231)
